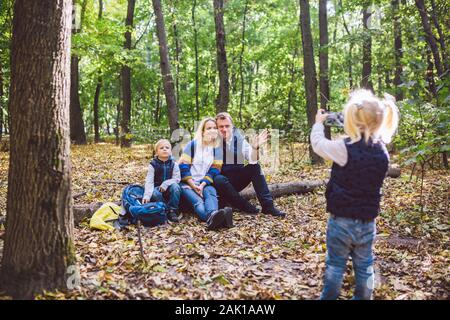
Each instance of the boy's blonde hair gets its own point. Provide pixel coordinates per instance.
(198, 136)
(159, 142)
(365, 114)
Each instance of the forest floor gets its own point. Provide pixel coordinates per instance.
(262, 257)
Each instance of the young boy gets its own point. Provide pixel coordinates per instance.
(163, 177)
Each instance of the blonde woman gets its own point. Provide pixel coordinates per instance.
(200, 162)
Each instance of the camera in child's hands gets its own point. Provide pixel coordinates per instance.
(334, 119)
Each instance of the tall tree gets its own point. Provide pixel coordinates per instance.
(38, 245)
(77, 133)
(324, 86)
(178, 50)
(125, 139)
(166, 74)
(241, 61)
(309, 70)
(98, 87)
(429, 37)
(398, 50)
(350, 49)
(366, 81)
(224, 85)
(1, 100)
(441, 36)
(197, 107)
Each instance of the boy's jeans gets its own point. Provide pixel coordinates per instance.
(349, 237)
(171, 196)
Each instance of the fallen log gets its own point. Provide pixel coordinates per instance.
(81, 211)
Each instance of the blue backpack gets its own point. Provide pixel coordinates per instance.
(150, 214)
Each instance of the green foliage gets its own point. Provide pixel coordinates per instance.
(272, 65)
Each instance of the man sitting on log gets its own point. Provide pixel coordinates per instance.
(235, 176)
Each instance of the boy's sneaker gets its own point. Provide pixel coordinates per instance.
(216, 220)
(274, 212)
(173, 216)
(228, 217)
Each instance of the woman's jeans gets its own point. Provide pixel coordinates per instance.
(203, 207)
(349, 237)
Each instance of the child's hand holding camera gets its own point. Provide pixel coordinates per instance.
(321, 116)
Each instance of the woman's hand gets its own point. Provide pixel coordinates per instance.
(321, 116)
(195, 187)
(145, 201)
(200, 189)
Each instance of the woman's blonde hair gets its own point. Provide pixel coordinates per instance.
(198, 136)
(367, 115)
(159, 142)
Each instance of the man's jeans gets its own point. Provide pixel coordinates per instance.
(349, 237)
(229, 185)
(203, 207)
(171, 197)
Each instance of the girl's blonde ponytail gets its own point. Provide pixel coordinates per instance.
(390, 120)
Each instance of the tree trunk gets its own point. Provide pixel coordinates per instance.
(350, 49)
(430, 37)
(241, 60)
(310, 71)
(224, 86)
(398, 50)
(38, 246)
(97, 88)
(366, 81)
(1, 100)
(77, 133)
(177, 55)
(197, 106)
(158, 106)
(441, 37)
(429, 77)
(125, 136)
(324, 86)
(168, 84)
(96, 120)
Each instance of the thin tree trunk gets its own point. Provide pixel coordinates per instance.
(96, 100)
(430, 37)
(309, 70)
(158, 105)
(116, 130)
(177, 56)
(241, 59)
(366, 81)
(125, 136)
(97, 88)
(441, 36)
(398, 50)
(324, 86)
(224, 86)
(77, 133)
(429, 76)
(38, 247)
(197, 106)
(168, 84)
(256, 81)
(350, 49)
(1, 100)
